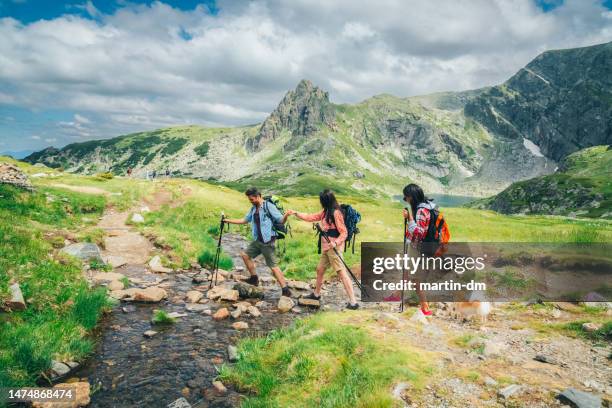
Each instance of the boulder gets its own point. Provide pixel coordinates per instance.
(253, 311)
(579, 399)
(85, 251)
(196, 307)
(149, 333)
(240, 325)
(215, 292)
(590, 327)
(216, 278)
(285, 304)
(230, 295)
(107, 277)
(303, 301)
(298, 285)
(150, 294)
(221, 314)
(115, 285)
(219, 387)
(243, 306)
(115, 261)
(232, 353)
(247, 291)
(81, 391)
(59, 369)
(10, 174)
(156, 265)
(236, 314)
(193, 296)
(493, 348)
(16, 302)
(176, 315)
(137, 218)
(509, 391)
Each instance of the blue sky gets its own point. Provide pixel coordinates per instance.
(78, 70)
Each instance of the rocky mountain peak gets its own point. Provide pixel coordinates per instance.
(301, 112)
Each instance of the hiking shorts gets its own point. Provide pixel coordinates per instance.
(257, 248)
(329, 258)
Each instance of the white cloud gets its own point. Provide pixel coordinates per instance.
(81, 119)
(134, 69)
(51, 140)
(35, 137)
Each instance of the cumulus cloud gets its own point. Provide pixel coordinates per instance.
(148, 66)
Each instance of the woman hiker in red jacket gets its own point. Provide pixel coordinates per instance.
(418, 223)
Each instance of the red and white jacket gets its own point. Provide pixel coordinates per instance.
(417, 229)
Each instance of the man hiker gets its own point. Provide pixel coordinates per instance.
(262, 215)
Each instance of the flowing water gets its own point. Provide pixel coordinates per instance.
(129, 370)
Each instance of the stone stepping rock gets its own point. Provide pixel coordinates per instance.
(149, 333)
(285, 304)
(193, 296)
(196, 307)
(579, 399)
(298, 285)
(309, 302)
(240, 325)
(232, 353)
(221, 314)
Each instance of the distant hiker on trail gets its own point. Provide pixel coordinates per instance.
(425, 224)
(262, 216)
(129, 172)
(154, 174)
(168, 173)
(332, 223)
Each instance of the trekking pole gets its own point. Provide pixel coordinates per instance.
(215, 270)
(404, 266)
(359, 285)
(218, 252)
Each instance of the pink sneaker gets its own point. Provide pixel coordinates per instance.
(426, 312)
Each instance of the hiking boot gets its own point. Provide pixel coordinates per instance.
(253, 280)
(313, 296)
(286, 291)
(352, 307)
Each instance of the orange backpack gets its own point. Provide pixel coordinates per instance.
(437, 232)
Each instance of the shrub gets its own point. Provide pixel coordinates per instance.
(105, 176)
(207, 258)
(162, 317)
(202, 150)
(89, 306)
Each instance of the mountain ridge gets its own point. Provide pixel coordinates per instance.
(451, 142)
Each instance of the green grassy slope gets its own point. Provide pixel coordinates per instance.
(582, 186)
(32, 227)
(61, 307)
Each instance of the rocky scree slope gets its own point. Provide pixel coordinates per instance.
(581, 187)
